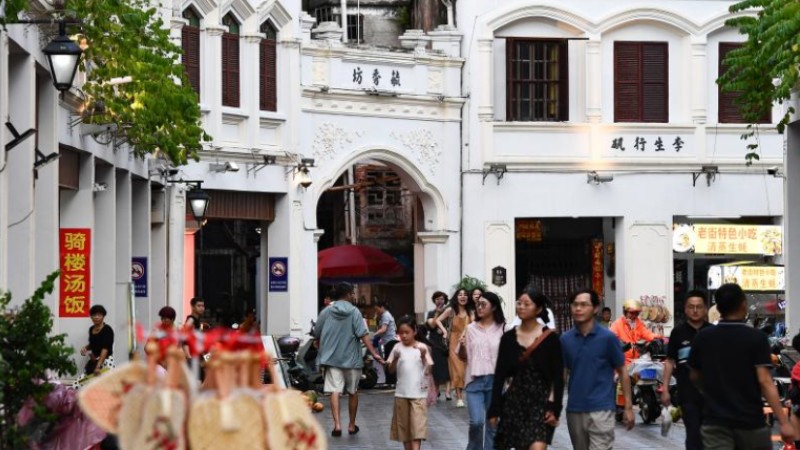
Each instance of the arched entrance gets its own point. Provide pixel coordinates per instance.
(378, 198)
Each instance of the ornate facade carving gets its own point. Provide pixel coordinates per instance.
(329, 139)
(422, 144)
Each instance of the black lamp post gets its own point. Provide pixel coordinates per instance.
(63, 55)
(198, 202)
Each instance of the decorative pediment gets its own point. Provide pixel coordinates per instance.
(275, 12)
(240, 8)
(204, 7)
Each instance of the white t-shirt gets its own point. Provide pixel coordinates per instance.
(411, 380)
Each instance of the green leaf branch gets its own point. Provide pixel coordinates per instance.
(771, 52)
(157, 111)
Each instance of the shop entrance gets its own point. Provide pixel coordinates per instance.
(560, 256)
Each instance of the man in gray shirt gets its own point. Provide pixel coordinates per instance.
(387, 333)
(339, 329)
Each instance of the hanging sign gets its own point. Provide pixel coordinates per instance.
(597, 267)
(75, 262)
(499, 276)
(728, 239)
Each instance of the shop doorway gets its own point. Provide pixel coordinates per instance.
(560, 256)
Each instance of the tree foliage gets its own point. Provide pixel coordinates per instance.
(158, 110)
(772, 52)
(27, 352)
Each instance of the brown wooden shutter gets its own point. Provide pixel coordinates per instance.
(563, 80)
(728, 108)
(511, 114)
(190, 41)
(655, 86)
(627, 81)
(230, 70)
(269, 79)
(641, 82)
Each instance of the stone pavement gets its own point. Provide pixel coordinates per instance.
(447, 428)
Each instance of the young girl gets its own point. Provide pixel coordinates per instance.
(412, 362)
(461, 313)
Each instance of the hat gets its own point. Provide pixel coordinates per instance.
(631, 305)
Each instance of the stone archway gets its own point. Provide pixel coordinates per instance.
(430, 216)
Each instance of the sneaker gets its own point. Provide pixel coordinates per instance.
(460, 403)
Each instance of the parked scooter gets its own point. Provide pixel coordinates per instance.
(304, 371)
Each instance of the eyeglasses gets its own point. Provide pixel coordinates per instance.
(483, 305)
(581, 305)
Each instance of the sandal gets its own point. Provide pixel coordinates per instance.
(336, 433)
(355, 430)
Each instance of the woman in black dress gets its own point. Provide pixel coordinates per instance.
(101, 342)
(441, 373)
(530, 367)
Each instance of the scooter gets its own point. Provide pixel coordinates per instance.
(647, 373)
(305, 373)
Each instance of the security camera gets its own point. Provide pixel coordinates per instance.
(306, 183)
(773, 170)
(172, 172)
(231, 166)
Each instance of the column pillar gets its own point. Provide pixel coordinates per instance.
(699, 84)
(429, 264)
(19, 170)
(250, 58)
(4, 138)
(485, 105)
(211, 77)
(594, 71)
(499, 251)
(176, 224)
(645, 262)
(141, 246)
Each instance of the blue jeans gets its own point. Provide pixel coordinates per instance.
(479, 397)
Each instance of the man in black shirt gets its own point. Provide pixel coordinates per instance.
(730, 365)
(680, 346)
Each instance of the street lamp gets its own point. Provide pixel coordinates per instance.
(198, 201)
(63, 55)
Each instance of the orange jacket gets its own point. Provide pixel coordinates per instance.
(627, 335)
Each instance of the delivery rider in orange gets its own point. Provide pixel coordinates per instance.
(630, 329)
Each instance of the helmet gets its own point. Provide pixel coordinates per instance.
(631, 305)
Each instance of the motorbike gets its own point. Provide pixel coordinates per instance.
(304, 371)
(647, 381)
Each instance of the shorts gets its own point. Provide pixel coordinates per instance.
(338, 380)
(409, 420)
(591, 430)
(726, 438)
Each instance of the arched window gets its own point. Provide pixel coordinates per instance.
(230, 62)
(190, 42)
(268, 69)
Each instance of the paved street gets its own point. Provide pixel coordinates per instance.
(447, 428)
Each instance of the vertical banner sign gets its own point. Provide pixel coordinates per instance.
(139, 276)
(278, 274)
(75, 255)
(597, 266)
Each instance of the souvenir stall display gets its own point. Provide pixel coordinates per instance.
(158, 405)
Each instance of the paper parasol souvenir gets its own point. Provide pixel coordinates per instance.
(101, 399)
(290, 424)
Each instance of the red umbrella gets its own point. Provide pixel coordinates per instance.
(353, 262)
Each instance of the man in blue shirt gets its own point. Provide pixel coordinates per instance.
(592, 354)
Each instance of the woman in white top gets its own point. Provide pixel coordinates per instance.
(478, 347)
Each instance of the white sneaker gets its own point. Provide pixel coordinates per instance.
(460, 403)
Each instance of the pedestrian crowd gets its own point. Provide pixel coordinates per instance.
(512, 375)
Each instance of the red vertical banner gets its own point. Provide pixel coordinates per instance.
(597, 266)
(75, 245)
